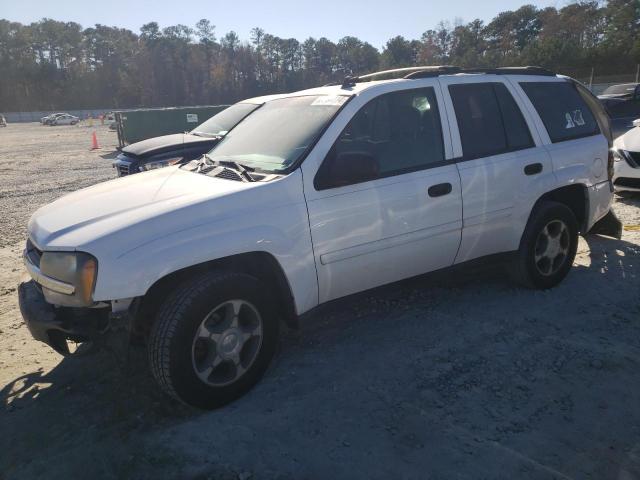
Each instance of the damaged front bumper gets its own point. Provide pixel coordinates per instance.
(56, 325)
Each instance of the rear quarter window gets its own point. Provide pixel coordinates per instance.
(563, 111)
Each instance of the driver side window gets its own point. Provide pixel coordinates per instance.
(395, 133)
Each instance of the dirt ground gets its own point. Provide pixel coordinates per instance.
(454, 375)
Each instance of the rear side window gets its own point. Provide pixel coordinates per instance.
(489, 120)
(563, 111)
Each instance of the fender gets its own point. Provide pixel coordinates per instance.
(280, 227)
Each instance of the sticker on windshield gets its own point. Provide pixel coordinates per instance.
(329, 101)
(192, 118)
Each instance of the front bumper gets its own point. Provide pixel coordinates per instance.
(125, 166)
(54, 326)
(626, 177)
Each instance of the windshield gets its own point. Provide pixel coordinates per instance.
(620, 89)
(221, 123)
(275, 136)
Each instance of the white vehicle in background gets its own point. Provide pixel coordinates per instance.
(626, 150)
(48, 118)
(64, 119)
(317, 195)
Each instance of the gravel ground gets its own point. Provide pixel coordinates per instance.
(454, 375)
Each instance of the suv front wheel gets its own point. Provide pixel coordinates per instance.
(213, 339)
(548, 246)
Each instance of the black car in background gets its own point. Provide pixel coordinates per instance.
(177, 148)
(623, 105)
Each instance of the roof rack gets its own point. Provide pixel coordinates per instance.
(435, 71)
(529, 70)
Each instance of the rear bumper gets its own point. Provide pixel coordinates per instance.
(54, 326)
(609, 225)
(600, 200)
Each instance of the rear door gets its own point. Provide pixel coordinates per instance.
(404, 221)
(503, 166)
(573, 138)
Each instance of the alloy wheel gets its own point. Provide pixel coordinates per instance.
(552, 247)
(227, 342)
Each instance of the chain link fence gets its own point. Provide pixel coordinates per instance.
(598, 80)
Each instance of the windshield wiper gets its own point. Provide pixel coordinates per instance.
(243, 170)
(206, 135)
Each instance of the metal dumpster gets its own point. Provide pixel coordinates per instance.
(135, 125)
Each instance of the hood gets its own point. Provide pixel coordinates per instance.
(80, 218)
(630, 141)
(155, 145)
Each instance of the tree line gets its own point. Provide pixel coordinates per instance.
(54, 65)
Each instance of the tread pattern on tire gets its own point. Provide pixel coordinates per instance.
(165, 325)
(518, 268)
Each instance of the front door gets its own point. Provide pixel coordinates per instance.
(405, 217)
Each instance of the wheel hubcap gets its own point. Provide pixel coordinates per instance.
(552, 247)
(227, 342)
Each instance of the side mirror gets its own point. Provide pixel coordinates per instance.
(636, 122)
(346, 169)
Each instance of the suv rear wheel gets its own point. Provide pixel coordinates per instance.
(548, 246)
(213, 339)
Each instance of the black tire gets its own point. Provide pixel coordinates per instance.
(544, 274)
(172, 338)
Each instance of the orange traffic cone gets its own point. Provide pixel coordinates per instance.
(94, 142)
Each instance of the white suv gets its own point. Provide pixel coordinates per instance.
(317, 195)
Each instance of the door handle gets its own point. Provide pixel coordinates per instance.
(440, 189)
(533, 169)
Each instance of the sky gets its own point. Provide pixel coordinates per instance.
(370, 20)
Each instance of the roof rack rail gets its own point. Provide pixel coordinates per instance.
(437, 70)
(349, 81)
(528, 70)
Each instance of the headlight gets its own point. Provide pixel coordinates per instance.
(166, 162)
(75, 268)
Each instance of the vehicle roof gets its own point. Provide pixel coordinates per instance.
(359, 87)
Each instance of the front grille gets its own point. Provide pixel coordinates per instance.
(33, 253)
(123, 170)
(633, 159)
(628, 182)
(229, 175)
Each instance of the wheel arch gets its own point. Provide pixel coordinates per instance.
(574, 196)
(259, 264)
